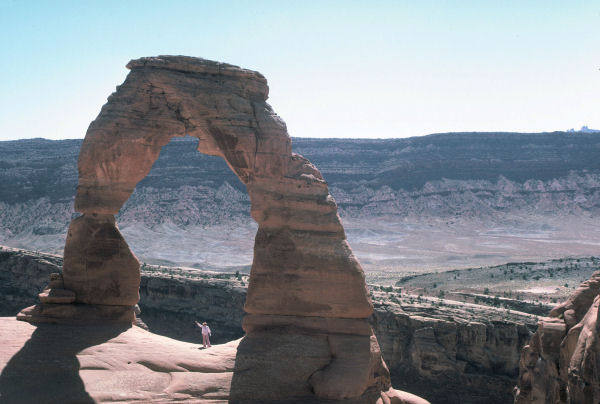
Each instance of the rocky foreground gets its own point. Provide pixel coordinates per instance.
(86, 364)
(442, 350)
(123, 364)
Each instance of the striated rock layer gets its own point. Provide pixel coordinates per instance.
(561, 364)
(307, 300)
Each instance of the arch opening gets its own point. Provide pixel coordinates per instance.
(191, 229)
(195, 215)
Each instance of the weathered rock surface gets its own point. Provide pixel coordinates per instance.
(76, 313)
(561, 363)
(474, 350)
(300, 241)
(224, 107)
(100, 277)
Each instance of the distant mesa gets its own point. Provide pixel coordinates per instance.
(481, 179)
(307, 334)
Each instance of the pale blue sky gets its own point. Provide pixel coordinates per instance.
(335, 68)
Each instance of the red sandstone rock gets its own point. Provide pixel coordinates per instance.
(55, 292)
(77, 314)
(399, 397)
(57, 295)
(98, 265)
(561, 364)
(108, 364)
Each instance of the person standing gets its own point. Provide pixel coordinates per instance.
(205, 334)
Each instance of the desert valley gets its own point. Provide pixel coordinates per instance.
(421, 204)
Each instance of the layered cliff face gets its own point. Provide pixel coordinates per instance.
(494, 197)
(442, 350)
(449, 352)
(23, 275)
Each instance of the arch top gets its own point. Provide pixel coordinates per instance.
(189, 64)
(223, 105)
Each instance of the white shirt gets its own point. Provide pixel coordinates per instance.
(205, 330)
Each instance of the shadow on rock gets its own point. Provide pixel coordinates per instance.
(46, 369)
(286, 367)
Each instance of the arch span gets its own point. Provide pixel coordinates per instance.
(304, 281)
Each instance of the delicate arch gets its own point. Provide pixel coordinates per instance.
(307, 295)
(300, 242)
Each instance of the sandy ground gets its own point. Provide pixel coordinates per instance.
(400, 246)
(405, 246)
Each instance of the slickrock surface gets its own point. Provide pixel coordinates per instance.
(561, 364)
(300, 242)
(85, 364)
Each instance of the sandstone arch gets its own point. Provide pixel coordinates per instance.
(300, 242)
(307, 293)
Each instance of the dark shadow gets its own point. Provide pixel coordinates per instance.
(46, 369)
